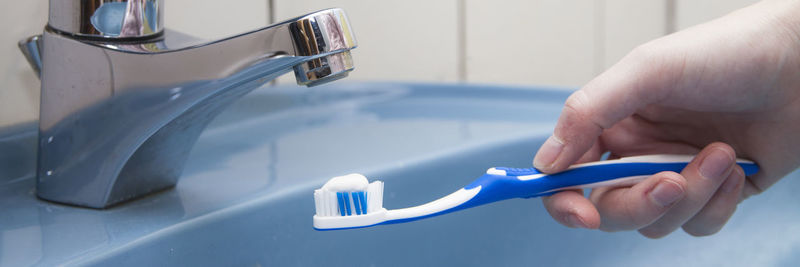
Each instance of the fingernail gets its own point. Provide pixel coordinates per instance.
(715, 164)
(576, 221)
(548, 153)
(666, 193)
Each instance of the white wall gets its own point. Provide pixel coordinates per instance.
(397, 40)
(528, 42)
(692, 12)
(19, 86)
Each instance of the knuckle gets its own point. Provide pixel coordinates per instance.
(658, 66)
(644, 54)
(650, 52)
(578, 104)
(580, 107)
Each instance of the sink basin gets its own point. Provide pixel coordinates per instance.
(245, 197)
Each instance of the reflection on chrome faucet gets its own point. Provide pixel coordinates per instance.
(124, 100)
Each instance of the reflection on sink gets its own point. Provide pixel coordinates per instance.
(245, 197)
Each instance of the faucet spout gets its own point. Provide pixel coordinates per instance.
(118, 118)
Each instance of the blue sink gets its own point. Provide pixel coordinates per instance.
(245, 197)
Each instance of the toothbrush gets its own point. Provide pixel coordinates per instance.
(349, 201)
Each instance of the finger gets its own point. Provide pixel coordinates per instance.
(628, 208)
(637, 136)
(617, 93)
(571, 209)
(720, 208)
(594, 153)
(704, 174)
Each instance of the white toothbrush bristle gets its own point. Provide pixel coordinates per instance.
(374, 196)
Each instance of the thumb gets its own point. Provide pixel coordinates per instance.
(629, 85)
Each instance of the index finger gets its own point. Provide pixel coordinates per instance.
(616, 94)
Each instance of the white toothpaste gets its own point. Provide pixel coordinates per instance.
(347, 183)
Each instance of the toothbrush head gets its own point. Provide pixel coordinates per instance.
(348, 201)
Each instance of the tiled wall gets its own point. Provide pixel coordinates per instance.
(527, 42)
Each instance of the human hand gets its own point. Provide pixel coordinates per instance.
(725, 89)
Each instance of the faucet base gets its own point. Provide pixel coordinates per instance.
(118, 119)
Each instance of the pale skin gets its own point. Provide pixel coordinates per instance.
(726, 89)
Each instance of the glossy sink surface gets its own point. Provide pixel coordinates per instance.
(245, 197)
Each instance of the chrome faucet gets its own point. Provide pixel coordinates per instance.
(123, 100)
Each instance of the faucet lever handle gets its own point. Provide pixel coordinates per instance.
(118, 20)
(31, 49)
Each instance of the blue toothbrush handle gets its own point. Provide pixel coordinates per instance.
(504, 183)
